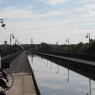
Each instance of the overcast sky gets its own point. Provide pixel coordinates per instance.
(47, 21)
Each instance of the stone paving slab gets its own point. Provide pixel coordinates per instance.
(23, 85)
(22, 73)
(20, 64)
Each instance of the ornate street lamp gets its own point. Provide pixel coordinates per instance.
(88, 35)
(57, 46)
(11, 35)
(16, 45)
(68, 45)
(20, 45)
(51, 48)
(3, 25)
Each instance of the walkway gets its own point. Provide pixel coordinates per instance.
(69, 58)
(23, 81)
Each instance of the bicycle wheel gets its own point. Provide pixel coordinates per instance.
(10, 81)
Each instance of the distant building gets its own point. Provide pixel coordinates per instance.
(5, 42)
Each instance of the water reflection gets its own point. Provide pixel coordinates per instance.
(68, 76)
(90, 86)
(51, 65)
(89, 93)
(52, 84)
(44, 61)
(31, 58)
(47, 63)
(57, 69)
(70, 67)
(41, 59)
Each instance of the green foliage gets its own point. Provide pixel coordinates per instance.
(44, 47)
(74, 48)
(81, 47)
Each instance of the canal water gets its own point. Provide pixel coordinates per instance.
(53, 79)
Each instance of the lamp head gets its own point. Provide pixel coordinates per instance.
(86, 36)
(3, 25)
(13, 37)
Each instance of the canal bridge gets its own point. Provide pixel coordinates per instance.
(24, 78)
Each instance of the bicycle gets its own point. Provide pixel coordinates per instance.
(9, 83)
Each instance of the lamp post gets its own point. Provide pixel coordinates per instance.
(68, 45)
(15, 45)
(20, 45)
(10, 44)
(88, 35)
(57, 46)
(3, 25)
(31, 42)
(51, 48)
(12, 35)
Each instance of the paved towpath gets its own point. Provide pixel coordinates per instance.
(69, 58)
(23, 80)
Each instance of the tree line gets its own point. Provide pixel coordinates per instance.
(45, 47)
(73, 48)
